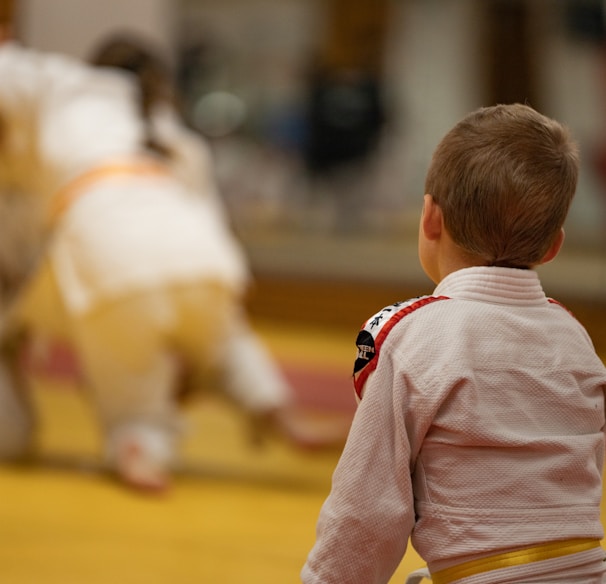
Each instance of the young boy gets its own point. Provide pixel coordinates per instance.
(480, 428)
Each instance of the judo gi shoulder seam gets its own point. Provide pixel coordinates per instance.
(558, 303)
(374, 332)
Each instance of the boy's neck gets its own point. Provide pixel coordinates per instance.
(451, 258)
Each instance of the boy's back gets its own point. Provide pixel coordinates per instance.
(507, 398)
(480, 429)
(497, 401)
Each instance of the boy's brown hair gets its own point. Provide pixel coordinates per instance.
(505, 177)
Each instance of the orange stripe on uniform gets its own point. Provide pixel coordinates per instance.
(66, 196)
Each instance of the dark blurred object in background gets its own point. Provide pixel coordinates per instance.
(511, 47)
(345, 119)
(346, 109)
(585, 19)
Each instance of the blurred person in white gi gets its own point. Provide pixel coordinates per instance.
(136, 269)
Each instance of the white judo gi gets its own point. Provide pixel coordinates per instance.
(141, 274)
(480, 430)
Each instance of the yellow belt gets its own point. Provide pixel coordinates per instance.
(538, 553)
(72, 191)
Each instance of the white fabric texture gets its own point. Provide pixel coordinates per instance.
(480, 431)
(418, 576)
(132, 233)
(61, 103)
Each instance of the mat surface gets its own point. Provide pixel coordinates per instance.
(234, 514)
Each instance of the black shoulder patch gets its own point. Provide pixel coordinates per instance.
(373, 334)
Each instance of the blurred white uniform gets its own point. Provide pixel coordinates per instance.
(142, 274)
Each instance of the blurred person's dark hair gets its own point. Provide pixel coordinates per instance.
(155, 78)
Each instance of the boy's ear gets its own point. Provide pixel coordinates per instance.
(554, 248)
(431, 220)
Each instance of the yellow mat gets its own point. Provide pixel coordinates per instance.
(235, 514)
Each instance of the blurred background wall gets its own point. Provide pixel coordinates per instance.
(267, 80)
(75, 26)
